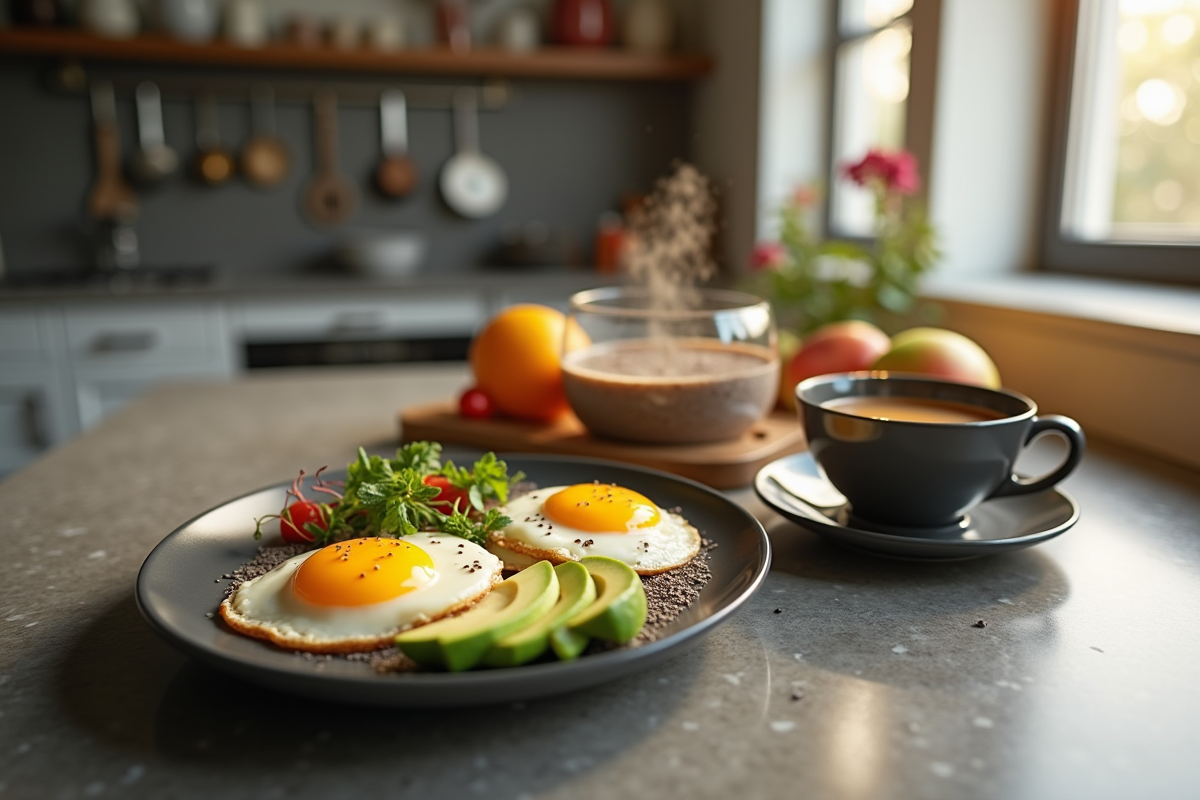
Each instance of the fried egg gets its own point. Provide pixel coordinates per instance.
(566, 523)
(357, 595)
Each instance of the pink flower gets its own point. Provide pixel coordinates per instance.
(767, 255)
(897, 171)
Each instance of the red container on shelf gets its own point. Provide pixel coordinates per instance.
(583, 23)
(610, 243)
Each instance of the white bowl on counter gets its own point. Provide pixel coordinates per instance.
(382, 254)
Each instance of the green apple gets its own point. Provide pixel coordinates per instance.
(577, 591)
(458, 643)
(942, 354)
(620, 608)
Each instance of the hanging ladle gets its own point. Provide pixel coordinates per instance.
(110, 198)
(153, 161)
(329, 198)
(396, 174)
(213, 164)
(265, 158)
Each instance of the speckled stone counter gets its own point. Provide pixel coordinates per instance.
(869, 682)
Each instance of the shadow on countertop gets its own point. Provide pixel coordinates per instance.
(193, 729)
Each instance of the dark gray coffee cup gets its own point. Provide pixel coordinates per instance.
(924, 475)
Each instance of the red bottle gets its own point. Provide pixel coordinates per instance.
(583, 23)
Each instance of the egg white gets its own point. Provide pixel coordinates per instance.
(266, 607)
(650, 550)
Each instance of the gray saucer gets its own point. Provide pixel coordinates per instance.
(994, 526)
(177, 593)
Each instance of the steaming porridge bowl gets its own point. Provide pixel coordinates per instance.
(703, 369)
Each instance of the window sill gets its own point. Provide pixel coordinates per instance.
(1123, 358)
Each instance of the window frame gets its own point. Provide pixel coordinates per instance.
(924, 19)
(1168, 262)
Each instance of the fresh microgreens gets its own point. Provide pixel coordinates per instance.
(389, 497)
(424, 457)
(487, 480)
(460, 524)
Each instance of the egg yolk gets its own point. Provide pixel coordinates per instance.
(600, 508)
(360, 572)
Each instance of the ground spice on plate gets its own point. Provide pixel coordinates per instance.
(668, 594)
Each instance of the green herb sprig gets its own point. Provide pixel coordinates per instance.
(390, 498)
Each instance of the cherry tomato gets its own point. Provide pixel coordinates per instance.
(476, 404)
(448, 494)
(292, 523)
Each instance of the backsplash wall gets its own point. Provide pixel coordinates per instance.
(570, 148)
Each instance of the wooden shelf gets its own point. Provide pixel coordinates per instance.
(548, 62)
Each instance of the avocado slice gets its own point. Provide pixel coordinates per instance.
(620, 608)
(458, 643)
(566, 643)
(577, 591)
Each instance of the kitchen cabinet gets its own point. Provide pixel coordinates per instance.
(116, 352)
(34, 403)
(361, 317)
(32, 413)
(65, 366)
(69, 360)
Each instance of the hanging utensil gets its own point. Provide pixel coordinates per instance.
(213, 164)
(153, 162)
(472, 184)
(110, 198)
(396, 174)
(329, 198)
(265, 159)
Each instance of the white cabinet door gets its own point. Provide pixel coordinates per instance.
(117, 352)
(145, 335)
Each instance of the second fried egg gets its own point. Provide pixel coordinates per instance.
(566, 523)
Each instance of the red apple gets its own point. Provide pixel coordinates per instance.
(942, 354)
(838, 347)
(789, 345)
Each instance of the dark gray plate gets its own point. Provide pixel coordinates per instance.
(176, 590)
(994, 526)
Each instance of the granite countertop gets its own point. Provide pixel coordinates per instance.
(870, 680)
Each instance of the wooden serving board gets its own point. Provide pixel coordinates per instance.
(722, 465)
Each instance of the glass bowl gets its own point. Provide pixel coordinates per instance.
(671, 376)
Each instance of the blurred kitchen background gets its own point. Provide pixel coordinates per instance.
(111, 285)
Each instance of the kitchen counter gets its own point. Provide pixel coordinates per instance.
(845, 676)
(564, 280)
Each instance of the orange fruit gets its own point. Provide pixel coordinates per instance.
(516, 359)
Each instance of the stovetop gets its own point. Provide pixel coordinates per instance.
(150, 277)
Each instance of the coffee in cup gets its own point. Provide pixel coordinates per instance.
(911, 452)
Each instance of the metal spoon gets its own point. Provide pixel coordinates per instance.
(265, 159)
(153, 162)
(396, 174)
(812, 489)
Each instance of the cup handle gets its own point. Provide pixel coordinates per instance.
(1076, 442)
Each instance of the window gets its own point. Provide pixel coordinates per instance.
(884, 63)
(1126, 195)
